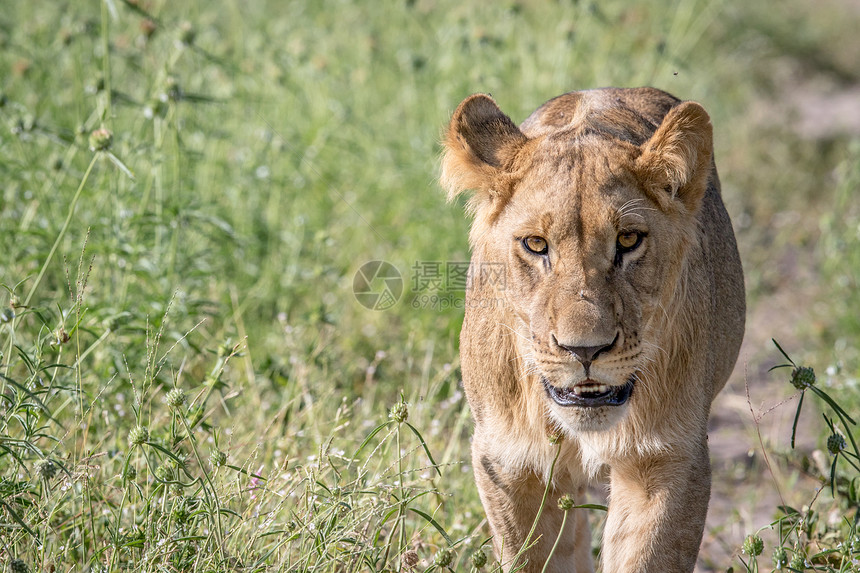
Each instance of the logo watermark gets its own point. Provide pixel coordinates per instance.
(453, 302)
(377, 285)
(435, 285)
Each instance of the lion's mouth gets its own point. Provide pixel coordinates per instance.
(590, 394)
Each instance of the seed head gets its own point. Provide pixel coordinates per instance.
(6, 315)
(780, 558)
(443, 558)
(399, 412)
(753, 545)
(479, 559)
(182, 511)
(138, 435)
(129, 474)
(226, 348)
(60, 337)
(101, 140)
(46, 469)
(798, 563)
(565, 503)
(163, 473)
(217, 458)
(176, 398)
(555, 438)
(19, 566)
(836, 443)
(410, 558)
(802, 377)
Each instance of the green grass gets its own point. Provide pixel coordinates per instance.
(260, 154)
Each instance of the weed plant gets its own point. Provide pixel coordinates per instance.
(823, 534)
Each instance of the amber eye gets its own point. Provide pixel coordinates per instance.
(628, 240)
(536, 245)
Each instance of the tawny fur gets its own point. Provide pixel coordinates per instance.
(583, 169)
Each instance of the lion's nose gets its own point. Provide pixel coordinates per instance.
(586, 354)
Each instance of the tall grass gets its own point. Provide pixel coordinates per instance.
(186, 380)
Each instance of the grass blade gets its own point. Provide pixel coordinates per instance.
(783, 352)
(20, 522)
(796, 418)
(370, 436)
(429, 519)
(424, 445)
(830, 402)
(594, 506)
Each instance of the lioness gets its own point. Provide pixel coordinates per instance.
(617, 319)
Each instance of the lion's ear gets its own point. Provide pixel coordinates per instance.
(479, 144)
(676, 162)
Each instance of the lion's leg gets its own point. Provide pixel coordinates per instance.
(657, 513)
(512, 499)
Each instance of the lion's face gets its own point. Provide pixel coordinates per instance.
(591, 228)
(586, 257)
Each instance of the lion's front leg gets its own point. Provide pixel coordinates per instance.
(656, 514)
(512, 499)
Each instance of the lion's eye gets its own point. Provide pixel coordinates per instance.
(536, 245)
(628, 240)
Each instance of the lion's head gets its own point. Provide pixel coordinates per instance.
(592, 209)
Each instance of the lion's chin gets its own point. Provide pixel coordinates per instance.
(590, 395)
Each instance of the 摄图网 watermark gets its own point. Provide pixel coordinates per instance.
(435, 285)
